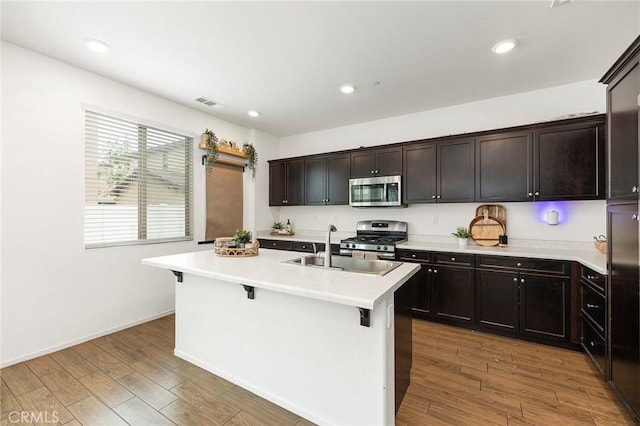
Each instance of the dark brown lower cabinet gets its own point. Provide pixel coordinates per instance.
(421, 290)
(497, 301)
(544, 306)
(512, 303)
(453, 294)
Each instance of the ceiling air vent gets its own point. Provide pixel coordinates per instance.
(207, 101)
(557, 3)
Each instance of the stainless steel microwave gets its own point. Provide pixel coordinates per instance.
(381, 191)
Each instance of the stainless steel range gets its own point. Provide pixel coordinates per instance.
(378, 236)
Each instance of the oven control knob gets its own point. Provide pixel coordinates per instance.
(377, 247)
(384, 247)
(353, 245)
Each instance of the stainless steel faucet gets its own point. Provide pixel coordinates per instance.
(327, 247)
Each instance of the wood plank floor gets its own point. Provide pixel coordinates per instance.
(464, 377)
(459, 377)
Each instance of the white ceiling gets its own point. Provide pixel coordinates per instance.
(287, 59)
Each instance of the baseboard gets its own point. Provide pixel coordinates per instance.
(56, 348)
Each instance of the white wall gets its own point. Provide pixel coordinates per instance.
(580, 220)
(54, 292)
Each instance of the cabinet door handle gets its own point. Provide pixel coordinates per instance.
(413, 255)
(518, 264)
(429, 270)
(530, 194)
(275, 244)
(593, 306)
(634, 217)
(592, 344)
(438, 197)
(433, 196)
(435, 271)
(591, 277)
(537, 193)
(372, 171)
(515, 279)
(634, 188)
(522, 280)
(453, 259)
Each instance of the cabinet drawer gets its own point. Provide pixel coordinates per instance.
(453, 259)
(414, 256)
(306, 247)
(276, 244)
(596, 279)
(523, 264)
(594, 345)
(594, 307)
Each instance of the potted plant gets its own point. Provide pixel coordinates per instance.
(210, 141)
(462, 234)
(252, 158)
(242, 237)
(277, 227)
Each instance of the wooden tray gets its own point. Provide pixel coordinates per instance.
(235, 252)
(286, 234)
(485, 230)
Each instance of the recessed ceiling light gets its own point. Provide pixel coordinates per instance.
(253, 113)
(96, 45)
(504, 46)
(347, 88)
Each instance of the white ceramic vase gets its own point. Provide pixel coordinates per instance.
(462, 242)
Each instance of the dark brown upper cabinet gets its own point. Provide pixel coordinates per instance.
(504, 167)
(439, 172)
(556, 161)
(455, 171)
(327, 180)
(286, 183)
(623, 106)
(569, 162)
(376, 162)
(420, 176)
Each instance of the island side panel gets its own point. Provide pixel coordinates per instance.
(309, 356)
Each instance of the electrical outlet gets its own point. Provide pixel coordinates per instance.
(434, 220)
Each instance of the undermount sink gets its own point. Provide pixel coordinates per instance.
(348, 264)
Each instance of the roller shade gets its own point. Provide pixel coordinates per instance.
(138, 183)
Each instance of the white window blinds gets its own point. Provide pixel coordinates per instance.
(138, 183)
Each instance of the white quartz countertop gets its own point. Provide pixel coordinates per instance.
(267, 272)
(590, 258)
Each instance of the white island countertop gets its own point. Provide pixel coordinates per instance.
(267, 271)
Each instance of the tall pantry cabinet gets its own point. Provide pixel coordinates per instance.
(623, 114)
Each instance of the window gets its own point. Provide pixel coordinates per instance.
(137, 183)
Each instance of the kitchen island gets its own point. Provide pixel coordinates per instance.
(317, 342)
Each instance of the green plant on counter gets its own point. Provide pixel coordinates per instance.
(461, 232)
(242, 237)
(212, 148)
(252, 158)
(277, 225)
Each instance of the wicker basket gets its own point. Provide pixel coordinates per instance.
(601, 245)
(222, 249)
